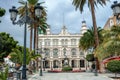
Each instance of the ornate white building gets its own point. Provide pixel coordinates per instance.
(57, 47)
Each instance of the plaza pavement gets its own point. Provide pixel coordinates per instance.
(70, 76)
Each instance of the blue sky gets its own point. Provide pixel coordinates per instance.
(56, 10)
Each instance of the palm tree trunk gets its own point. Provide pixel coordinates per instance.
(95, 31)
(37, 39)
(34, 38)
(36, 45)
(31, 32)
(94, 23)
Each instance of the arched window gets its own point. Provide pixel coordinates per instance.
(81, 53)
(73, 51)
(47, 52)
(64, 51)
(55, 51)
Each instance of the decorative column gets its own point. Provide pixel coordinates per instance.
(78, 65)
(61, 63)
(51, 51)
(51, 64)
(70, 62)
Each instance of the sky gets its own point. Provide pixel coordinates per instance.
(59, 12)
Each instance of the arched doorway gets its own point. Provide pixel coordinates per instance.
(47, 64)
(55, 64)
(73, 64)
(82, 63)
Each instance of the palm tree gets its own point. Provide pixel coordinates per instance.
(87, 41)
(110, 45)
(79, 4)
(40, 22)
(17, 56)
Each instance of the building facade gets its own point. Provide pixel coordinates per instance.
(56, 48)
(110, 22)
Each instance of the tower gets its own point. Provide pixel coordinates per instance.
(48, 31)
(84, 27)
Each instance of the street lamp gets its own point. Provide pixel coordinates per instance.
(41, 61)
(41, 74)
(44, 60)
(116, 9)
(24, 20)
(96, 72)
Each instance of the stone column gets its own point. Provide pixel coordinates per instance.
(60, 66)
(61, 63)
(51, 53)
(51, 64)
(70, 62)
(78, 65)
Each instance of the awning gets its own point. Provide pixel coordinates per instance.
(111, 58)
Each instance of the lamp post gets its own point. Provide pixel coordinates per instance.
(116, 9)
(40, 59)
(96, 72)
(44, 60)
(41, 74)
(24, 20)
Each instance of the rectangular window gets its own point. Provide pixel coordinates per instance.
(66, 42)
(40, 42)
(55, 41)
(73, 41)
(82, 63)
(47, 42)
(62, 42)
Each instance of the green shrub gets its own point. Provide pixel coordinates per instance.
(90, 57)
(4, 74)
(67, 68)
(114, 66)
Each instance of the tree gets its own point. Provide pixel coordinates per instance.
(90, 57)
(111, 43)
(87, 41)
(79, 4)
(17, 55)
(2, 12)
(4, 74)
(114, 66)
(7, 43)
(41, 22)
